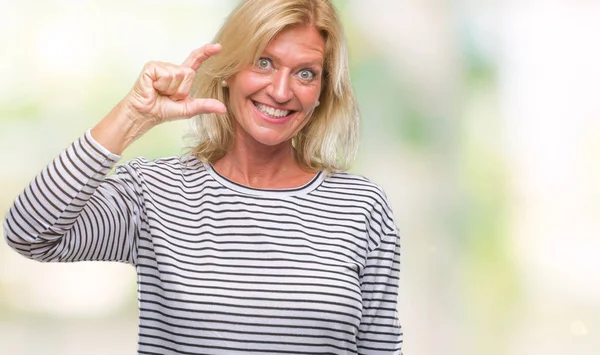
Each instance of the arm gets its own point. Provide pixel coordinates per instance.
(160, 94)
(71, 212)
(379, 331)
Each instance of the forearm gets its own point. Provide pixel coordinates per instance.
(120, 127)
(380, 331)
(49, 206)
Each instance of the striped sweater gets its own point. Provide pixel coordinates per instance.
(223, 268)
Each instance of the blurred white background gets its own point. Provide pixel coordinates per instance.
(481, 120)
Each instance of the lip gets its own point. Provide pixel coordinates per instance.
(271, 119)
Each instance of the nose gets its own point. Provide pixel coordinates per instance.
(281, 91)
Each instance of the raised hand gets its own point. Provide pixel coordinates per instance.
(160, 94)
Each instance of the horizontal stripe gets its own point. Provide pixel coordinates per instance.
(224, 268)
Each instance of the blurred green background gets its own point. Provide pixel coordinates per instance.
(481, 120)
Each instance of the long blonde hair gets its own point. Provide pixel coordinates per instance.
(329, 140)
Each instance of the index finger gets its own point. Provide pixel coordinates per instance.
(195, 59)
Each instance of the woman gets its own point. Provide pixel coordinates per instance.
(257, 242)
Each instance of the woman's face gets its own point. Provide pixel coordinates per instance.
(275, 97)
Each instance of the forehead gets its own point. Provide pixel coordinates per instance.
(298, 43)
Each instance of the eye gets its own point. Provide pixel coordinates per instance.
(306, 74)
(264, 63)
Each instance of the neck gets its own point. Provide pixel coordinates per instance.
(257, 165)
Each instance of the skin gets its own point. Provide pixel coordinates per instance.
(262, 154)
(288, 77)
(160, 94)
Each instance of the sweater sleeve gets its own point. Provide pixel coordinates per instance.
(380, 332)
(72, 211)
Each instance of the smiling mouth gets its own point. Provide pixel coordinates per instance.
(271, 111)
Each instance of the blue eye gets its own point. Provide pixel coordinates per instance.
(306, 74)
(264, 63)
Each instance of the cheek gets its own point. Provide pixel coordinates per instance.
(309, 96)
(244, 84)
(305, 116)
(238, 96)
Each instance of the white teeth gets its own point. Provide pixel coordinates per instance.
(273, 112)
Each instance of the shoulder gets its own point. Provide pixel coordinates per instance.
(175, 161)
(350, 183)
(360, 188)
(165, 167)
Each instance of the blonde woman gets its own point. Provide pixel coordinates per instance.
(258, 241)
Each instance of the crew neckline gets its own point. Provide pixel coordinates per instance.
(294, 191)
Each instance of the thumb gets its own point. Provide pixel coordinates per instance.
(195, 107)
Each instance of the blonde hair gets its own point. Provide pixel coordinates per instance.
(329, 140)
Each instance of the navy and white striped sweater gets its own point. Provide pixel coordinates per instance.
(224, 268)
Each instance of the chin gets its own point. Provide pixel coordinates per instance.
(271, 140)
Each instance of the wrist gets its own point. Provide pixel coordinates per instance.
(120, 127)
